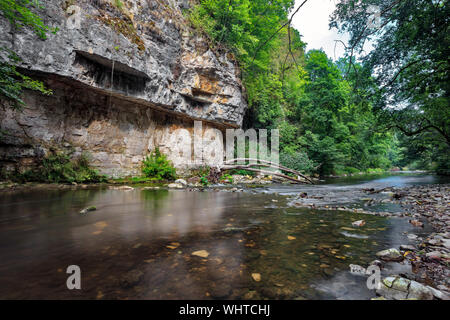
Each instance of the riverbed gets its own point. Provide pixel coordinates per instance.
(190, 244)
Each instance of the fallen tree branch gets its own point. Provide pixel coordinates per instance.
(269, 173)
(271, 164)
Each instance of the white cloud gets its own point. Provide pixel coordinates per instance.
(312, 22)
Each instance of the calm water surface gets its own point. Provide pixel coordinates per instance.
(139, 243)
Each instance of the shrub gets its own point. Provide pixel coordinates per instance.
(375, 170)
(227, 178)
(60, 168)
(351, 170)
(298, 161)
(156, 165)
(204, 181)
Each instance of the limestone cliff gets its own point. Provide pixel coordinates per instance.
(124, 76)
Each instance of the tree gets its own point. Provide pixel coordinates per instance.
(409, 62)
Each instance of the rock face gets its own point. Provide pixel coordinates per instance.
(123, 78)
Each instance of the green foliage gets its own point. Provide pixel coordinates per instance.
(242, 172)
(410, 66)
(12, 82)
(324, 125)
(204, 181)
(201, 171)
(61, 168)
(20, 14)
(156, 165)
(298, 161)
(118, 4)
(227, 178)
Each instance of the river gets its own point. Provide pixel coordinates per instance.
(139, 244)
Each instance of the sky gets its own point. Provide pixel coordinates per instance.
(312, 22)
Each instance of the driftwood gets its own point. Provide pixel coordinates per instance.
(216, 172)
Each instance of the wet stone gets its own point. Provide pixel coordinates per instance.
(390, 255)
(220, 291)
(131, 278)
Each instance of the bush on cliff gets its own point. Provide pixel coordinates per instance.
(157, 166)
(60, 168)
(12, 82)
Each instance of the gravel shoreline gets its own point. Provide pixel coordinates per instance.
(427, 256)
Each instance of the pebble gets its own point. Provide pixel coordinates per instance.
(407, 247)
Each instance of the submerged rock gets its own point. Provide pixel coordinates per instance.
(131, 278)
(201, 254)
(123, 188)
(88, 209)
(390, 255)
(175, 186)
(359, 223)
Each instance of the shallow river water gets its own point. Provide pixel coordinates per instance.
(138, 244)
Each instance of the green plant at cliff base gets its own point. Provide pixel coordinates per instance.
(60, 168)
(204, 181)
(227, 178)
(156, 165)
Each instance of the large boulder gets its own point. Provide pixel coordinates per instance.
(398, 288)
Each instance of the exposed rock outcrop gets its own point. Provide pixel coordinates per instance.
(123, 79)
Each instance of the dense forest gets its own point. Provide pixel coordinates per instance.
(390, 108)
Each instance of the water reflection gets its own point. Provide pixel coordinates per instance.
(139, 245)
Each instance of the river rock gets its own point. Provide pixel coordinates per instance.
(175, 186)
(377, 263)
(412, 236)
(398, 288)
(88, 209)
(407, 247)
(357, 270)
(416, 223)
(151, 188)
(419, 291)
(256, 277)
(220, 291)
(131, 278)
(201, 253)
(182, 182)
(123, 188)
(436, 255)
(446, 243)
(390, 255)
(439, 294)
(359, 223)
